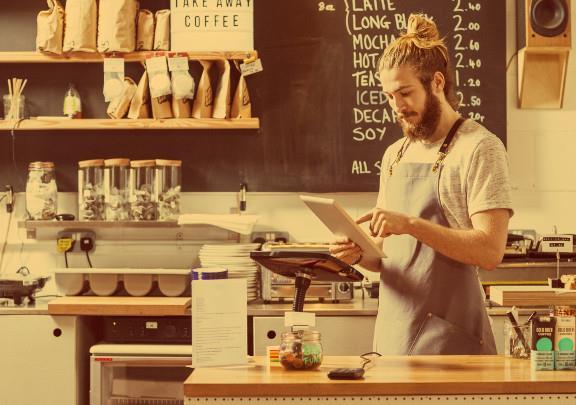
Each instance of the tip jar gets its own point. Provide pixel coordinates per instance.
(116, 189)
(143, 206)
(41, 191)
(301, 350)
(91, 190)
(168, 187)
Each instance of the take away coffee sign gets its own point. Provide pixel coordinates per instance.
(212, 25)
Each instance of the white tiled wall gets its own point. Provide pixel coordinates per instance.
(541, 145)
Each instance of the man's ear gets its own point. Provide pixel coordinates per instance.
(438, 82)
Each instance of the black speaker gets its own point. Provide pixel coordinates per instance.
(543, 23)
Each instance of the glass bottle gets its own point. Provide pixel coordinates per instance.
(41, 191)
(91, 190)
(143, 203)
(72, 103)
(116, 189)
(301, 350)
(168, 186)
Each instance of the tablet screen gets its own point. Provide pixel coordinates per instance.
(342, 224)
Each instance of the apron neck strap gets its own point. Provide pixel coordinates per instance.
(443, 151)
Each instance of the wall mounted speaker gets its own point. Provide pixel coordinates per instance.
(543, 23)
(544, 40)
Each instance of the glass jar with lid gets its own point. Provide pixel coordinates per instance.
(168, 187)
(143, 203)
(91, 190)
(116, 189)
(301, 350)
(41, 191)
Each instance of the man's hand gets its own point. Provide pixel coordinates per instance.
(384, 223)
(346, 250)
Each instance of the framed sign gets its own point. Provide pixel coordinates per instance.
(212, 25)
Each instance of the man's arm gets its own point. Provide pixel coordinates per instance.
(482, 246)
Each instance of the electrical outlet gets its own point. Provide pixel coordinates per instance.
(270, 236)
(80, 241)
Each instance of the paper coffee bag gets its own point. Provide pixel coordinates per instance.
(80, 26)
(162, 31)
(204, 101)
(145, 31)
(222, 97)
(117, 25)
(50, 28)
(241, 105)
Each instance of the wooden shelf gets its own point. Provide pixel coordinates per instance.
(87, 57)
(133, 230)
(96, 224)
(128, 124)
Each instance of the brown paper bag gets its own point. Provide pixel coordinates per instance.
(117, 25)
(119, 106)
(222, 97)
(241, 104)
(162, 31)
(145, 31)
(50, 28)
(140, 107)
(181, 107)
(204, 101)
(80, 26)
(161, 107)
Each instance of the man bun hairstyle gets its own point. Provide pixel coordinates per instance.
(421, 48)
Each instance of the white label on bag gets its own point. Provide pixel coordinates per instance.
(178, 64)
(114, 65)
(156, 64)
(250, 68)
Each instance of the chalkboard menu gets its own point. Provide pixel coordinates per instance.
(320, 93)
(324, 121)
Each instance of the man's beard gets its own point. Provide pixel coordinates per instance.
(429, 122)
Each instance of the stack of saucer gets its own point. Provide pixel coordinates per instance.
(236, 259)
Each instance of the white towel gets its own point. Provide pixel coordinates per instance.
(242, 224)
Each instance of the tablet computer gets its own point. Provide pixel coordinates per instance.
(341, 224)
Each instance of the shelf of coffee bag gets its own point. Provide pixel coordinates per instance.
(129, 124)
(86, 57)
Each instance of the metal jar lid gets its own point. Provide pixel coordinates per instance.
(164, 162)
(143, 163)
(41, 165)
(117, 162)
(91, 163)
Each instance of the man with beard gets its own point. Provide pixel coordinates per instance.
(442, 210)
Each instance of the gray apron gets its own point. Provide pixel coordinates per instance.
(428, 303)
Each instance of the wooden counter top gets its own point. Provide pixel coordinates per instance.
(393, 375)
(120, 306)
(531, 295)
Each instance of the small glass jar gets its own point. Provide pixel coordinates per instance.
(116, 189)
(168, 186)
(41, 191)
(143, 203)
(301, 350)
(91, 190)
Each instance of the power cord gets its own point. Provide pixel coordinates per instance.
(368, 360)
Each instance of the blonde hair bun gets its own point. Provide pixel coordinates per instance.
(422, 28)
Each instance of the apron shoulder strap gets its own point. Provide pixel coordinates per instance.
(443, 151)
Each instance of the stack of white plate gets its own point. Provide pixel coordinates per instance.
(236, 259)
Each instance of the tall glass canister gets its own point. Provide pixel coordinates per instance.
(168, 186)
(117, 189)
(91, 190)
(143, 203)
(41, 191)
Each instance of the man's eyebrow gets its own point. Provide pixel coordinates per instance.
(405, 87)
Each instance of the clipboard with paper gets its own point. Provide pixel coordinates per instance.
(342, 224)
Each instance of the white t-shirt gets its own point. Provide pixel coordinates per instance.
(474, 177)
